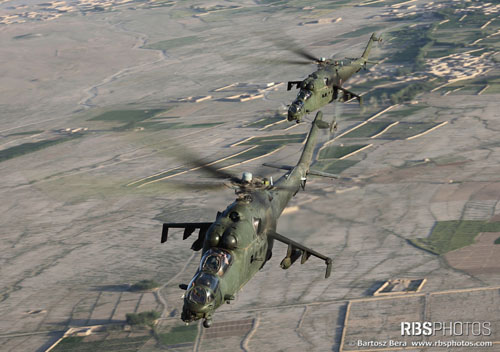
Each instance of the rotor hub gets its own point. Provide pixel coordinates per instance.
(247, 177)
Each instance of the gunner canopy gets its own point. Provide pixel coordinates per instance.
(202, 288)
(296, 106)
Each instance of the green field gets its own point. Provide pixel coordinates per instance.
(276, 140)
(334, 166)
(166, 3)
(337, 151)
(25, 133)
(26, 36)
(265, 121)
(371, 83)
(253, 153)
(412, 44)
(127, 116)
(357, 113)
(144, 285)
(362, 31)
(493, 89)
(77, 344)
(448, 159)
(143, 318)
(264, 145)
(156, 126)
(368, 130)
(475, 85)
(172, 43)
(132, 119)
(279, 126)
(247, 155)
(405, 111)
(179, 334)
(447, 236)
(32, 147)
(407, 129)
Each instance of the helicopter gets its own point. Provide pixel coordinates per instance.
(323, 86)
(240, 241)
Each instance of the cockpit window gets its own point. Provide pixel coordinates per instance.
(304, 94)
(216, 261)
(201, 289)
(212, 264)
(296, 106)
(208, 280)
(200, 295)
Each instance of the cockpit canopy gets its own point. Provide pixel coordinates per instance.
(296, 106)
(216, 261)
(304, 94)
(202, 287)
(200, 295)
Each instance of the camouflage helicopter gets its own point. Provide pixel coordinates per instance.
(240, 241)
(323, 86)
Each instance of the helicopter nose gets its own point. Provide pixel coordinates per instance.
(291, 116)
(192, 312)
(189, 314)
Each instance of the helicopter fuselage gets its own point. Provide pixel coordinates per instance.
(240, 240)
(239, 236)
(321, 87)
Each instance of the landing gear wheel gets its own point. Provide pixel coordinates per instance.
(207, 323)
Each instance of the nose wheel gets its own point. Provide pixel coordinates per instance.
(207, 323)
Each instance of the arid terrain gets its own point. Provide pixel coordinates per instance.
(98, 100)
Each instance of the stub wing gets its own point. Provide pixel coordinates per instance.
(189, 228)
(346, 96)
(296, 250)
(291, 84)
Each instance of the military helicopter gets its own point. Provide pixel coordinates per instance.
(323, 86)
(240, 241)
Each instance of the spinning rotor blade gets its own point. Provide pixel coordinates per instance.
(289, 44)
(231, 181)
(199, 164)
(197, 186)
(254, 60)
(293, 62)
(303, 53)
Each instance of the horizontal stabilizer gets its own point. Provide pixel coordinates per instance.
(281, 167)
(322, 174)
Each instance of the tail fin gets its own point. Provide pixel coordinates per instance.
(307, 153)
(368, 48)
